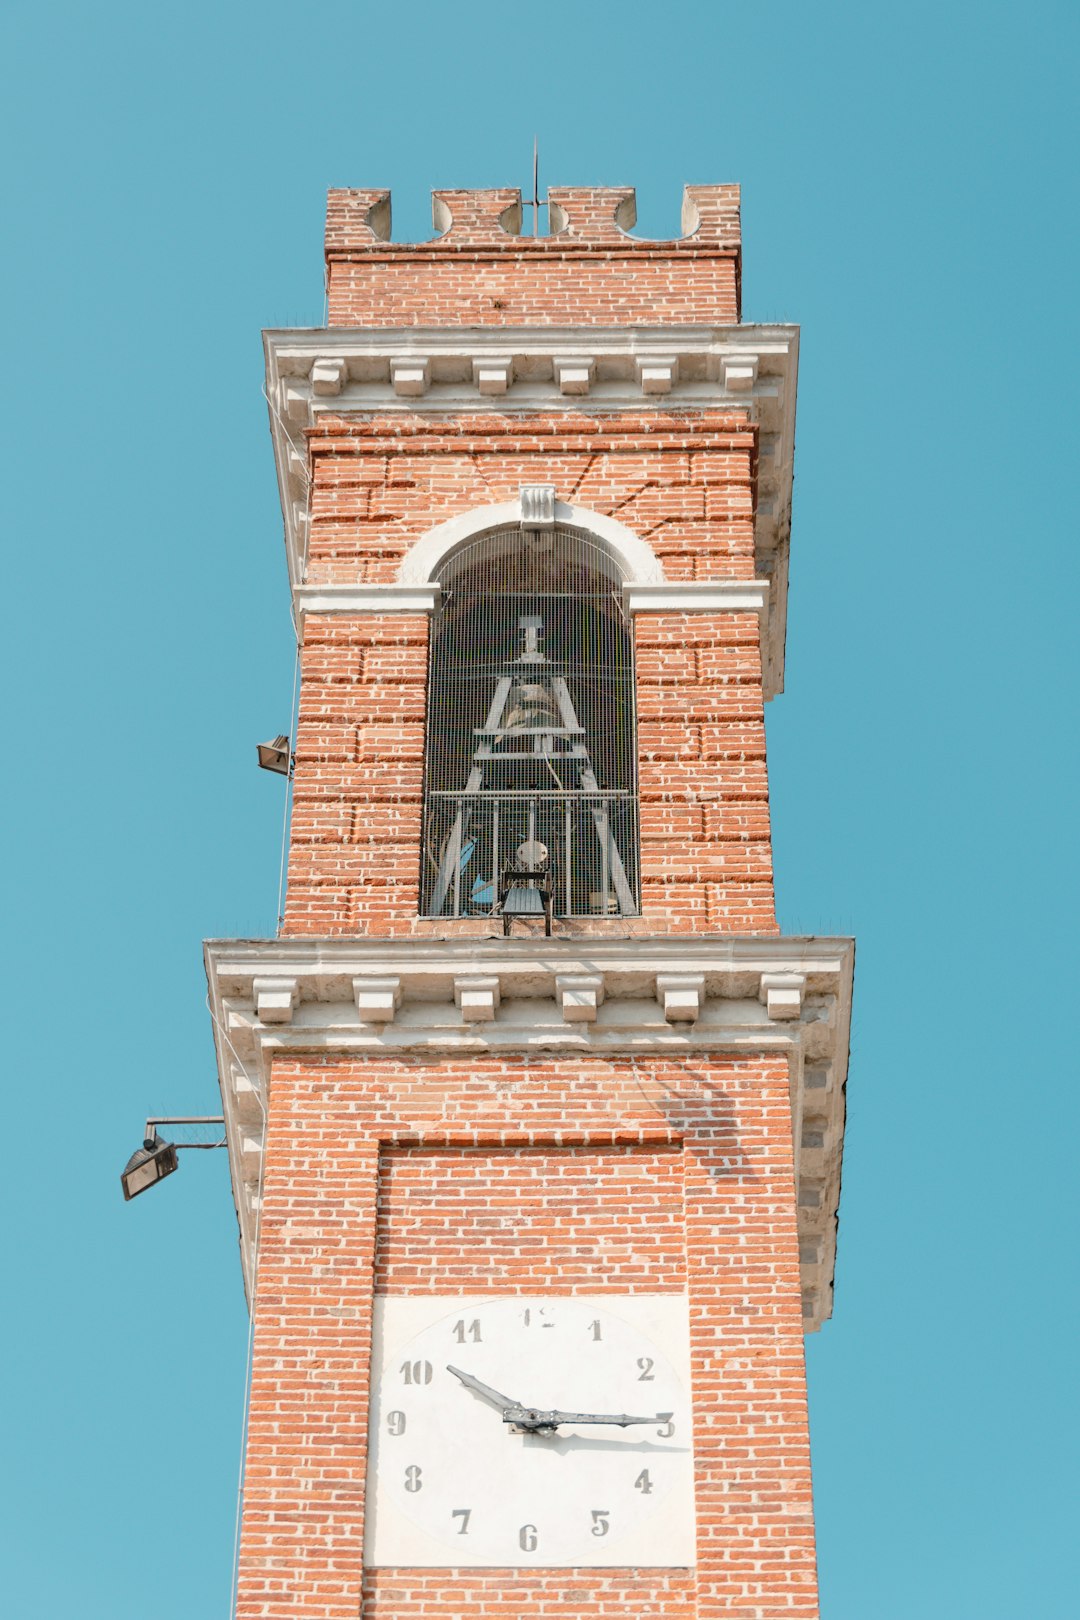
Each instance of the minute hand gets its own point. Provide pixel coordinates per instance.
(531, 1417)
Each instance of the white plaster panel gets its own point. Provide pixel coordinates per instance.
(531, 1500)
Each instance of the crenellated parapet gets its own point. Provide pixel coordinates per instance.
(486, 268)
(359, 219)
(356, 218)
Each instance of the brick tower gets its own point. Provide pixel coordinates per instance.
(532, 1223)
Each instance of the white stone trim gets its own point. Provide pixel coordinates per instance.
(635, 559)
(739, 372)
(366, 599)
(700, 596)
(537, 506)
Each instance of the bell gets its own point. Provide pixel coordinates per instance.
(531, 708)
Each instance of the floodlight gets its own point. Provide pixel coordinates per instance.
(274, 755)
(157, 1159)
(147, 1165)
(525, 885)
(522, 900)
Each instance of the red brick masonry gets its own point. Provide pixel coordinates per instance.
(685, 483)
(410, 1175)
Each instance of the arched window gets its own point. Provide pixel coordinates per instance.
(531, 755)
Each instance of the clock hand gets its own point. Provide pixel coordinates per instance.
(537, 1421)
(503, 1402)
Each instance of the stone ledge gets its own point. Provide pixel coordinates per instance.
(658, 997)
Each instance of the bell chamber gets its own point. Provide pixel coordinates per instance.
(530, 740)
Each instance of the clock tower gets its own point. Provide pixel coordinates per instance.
(534, 1117)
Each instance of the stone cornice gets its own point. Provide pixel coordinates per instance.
(602, 996)
(512, 371)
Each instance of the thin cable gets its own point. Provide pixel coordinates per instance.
(235, 1582)
(288, 797)
(235, 1585)
(223, 1032)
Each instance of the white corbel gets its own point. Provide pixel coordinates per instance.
(681, 996)
(250, 1156)
(295, 403)
(657, 373)
(377, 999)
(739, 372)
(329, 375)
(579, 995)
(573, 375)
(410, 375)
(782, 994)
(297, 466)
(275, 999)
(477, 994)
(493, 373)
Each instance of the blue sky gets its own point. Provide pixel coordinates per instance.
(908, 198)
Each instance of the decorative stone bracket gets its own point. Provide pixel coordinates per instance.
(377, 998)
(579, 996)
(275, 999)
(782, 994)
(681, 996)
(478, 996)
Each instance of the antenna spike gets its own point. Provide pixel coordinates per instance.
(536, 186)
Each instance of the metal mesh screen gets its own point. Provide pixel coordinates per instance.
(530, 732)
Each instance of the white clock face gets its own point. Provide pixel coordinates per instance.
(452, 1482)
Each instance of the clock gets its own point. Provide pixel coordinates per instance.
(521, 1430)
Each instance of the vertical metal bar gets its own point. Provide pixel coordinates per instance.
(457, 874)
(566, 862)
(604, 862)
(494, 853)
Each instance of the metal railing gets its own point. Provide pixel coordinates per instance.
(591, 840)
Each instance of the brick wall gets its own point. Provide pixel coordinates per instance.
(591, 273)
(501, 1220)
(684, 482)
(706, 849)
(422, 1175)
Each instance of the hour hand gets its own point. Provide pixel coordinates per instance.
(503, 1402)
